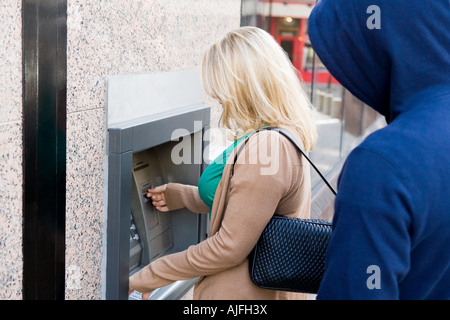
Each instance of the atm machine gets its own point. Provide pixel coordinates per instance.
(141, 156)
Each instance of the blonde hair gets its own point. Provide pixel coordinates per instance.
(257, 85)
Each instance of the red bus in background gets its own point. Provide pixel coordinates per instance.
(288, 25)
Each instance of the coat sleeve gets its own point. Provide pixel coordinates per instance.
(254, 193)
(184, 196)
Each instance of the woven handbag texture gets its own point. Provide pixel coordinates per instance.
(290, 254)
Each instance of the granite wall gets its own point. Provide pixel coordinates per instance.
(10, 149)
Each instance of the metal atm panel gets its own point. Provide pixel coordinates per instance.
(140, 158)
(155, 229)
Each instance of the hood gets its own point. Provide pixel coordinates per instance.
(384, 51)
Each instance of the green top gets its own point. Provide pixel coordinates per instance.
(210, 178)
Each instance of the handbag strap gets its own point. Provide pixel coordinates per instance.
(292, 139)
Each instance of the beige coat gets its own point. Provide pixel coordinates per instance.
(271, 178)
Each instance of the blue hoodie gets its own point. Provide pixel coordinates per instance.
(391, 227)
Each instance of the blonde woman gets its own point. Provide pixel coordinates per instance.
(257, 86)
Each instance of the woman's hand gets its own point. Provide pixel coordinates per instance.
(158, 198)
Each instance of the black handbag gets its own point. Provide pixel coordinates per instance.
(290, 254)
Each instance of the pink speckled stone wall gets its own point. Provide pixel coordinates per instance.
(108, 38)
(10, 149)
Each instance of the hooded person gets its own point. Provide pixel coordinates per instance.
(391, 234)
